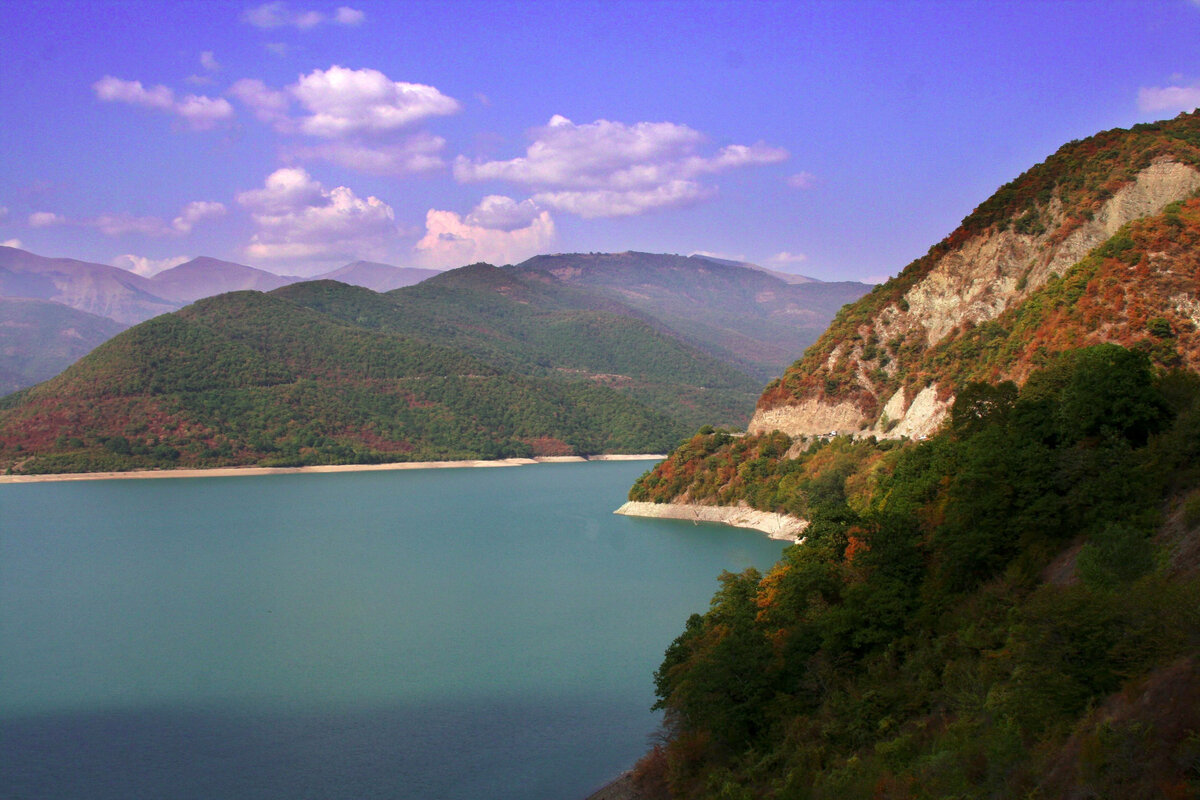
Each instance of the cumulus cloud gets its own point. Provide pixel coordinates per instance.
(452, 241)
(364, 116)
(624, 203)
(196, 211)
(607, 168)
(279, 15)
(300, 219)
(418, 153)
(503, 213)
(200, 112)
(209, 61)
(45, 219)
(11, 243)
(148, 266)
(343, 101)
(269, 105)
(1169, 98)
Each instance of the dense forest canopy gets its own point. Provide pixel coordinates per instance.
(965, 611)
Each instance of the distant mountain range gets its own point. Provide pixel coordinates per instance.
(128, 298)
(737, 312)
(39, 339)
(559, 355)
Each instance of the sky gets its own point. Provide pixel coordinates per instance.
(838, 139)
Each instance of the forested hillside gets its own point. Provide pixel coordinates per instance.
(1006, 609)
(997, 594)
(249, 378)
(322, 372)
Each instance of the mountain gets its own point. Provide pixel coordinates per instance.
(322, 372)
(536, 326)
(40, 338)
(744, 316)
(998, 600)
(96, 289)
(1056, 258)
(377, 277)
(205, 277)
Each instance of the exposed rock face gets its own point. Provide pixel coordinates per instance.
(992, 272)
(977, 281)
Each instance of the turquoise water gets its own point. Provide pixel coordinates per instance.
(455, 633)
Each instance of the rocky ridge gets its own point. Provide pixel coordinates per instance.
(871, 373)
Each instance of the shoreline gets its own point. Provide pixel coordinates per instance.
(776, 526)
(230, 472)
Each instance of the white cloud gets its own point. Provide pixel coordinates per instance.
(119, 224)
(299, 219)
(11, 243)
(269, 105)
(200, 112)
(209, 61)
(418, 153)
(502, 213)
(3, 212)
(609, 168)
(279, 15)
(802, 180)
(1169, 98)
(196, 211)
(148, 266)
(44, 219)
(348, 16)
(612, 203)
(785, 258)
(345, 101)
(277, 48)
(115, 90)
(452, 241)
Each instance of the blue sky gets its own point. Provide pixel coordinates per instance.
(835, 139)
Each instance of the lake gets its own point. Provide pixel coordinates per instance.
(450, 634)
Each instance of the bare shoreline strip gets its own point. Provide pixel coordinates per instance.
(229, 472)
(777, 526)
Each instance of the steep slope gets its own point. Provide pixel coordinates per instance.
(248, 378)
(892, 362)
(744, 316)
(94, 288)
(376, 277)
(40, 338)
(1006, 609)
(205, 277)
(540, 328)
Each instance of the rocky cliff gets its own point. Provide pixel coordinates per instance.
(891, 363)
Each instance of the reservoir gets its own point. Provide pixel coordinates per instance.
(441, 634)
